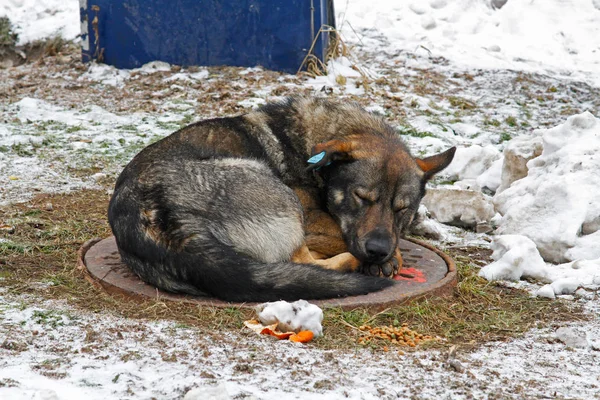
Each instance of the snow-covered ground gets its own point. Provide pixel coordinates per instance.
(555, 37)
(36, 20)
(52, 352)
(514, 84)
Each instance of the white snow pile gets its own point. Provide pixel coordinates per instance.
(34, 19)
(552, 215)
(476, 167)
(297, 316)
(557, 204)
(518, 258)
(556, 36)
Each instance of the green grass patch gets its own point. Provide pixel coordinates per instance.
(504, 137)
(511, 121)
(170, 126)
(186, 120)
(410, 131)
(73, 128)
(51, 125)
(48, 318)
(8, 247)
(8, 38)
(491, 122)
(128, 127)
(444, 182)
(23, 149)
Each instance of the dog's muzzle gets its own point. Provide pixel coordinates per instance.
(378, 247)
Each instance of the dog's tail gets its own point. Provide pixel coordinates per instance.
(238, 278)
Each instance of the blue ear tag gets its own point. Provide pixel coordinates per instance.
(316, 158)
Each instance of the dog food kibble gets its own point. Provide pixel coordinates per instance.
(402, 336)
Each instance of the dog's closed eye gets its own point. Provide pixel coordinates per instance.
(365, 196)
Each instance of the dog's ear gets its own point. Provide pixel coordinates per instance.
(434, 164)
(328, 152)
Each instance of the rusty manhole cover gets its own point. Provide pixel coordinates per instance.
(426, 271)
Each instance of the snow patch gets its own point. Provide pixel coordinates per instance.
(515, 257)
(35, 19)
(556, 202)
(470, 162)
(572, 338)
(153, 67)
(558, 37)
(106, 74)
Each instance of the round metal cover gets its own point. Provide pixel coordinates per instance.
(426, 271)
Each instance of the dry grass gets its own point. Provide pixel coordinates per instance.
(43, 249)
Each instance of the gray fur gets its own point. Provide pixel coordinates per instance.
(211, 210)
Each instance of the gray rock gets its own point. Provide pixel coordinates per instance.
(464, 208)
(456, 365)
(484, 227)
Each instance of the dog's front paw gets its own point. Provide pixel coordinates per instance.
(387, 269)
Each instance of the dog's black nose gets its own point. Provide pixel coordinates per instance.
(377, 248)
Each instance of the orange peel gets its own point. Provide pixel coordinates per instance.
(272, 330)
(302, 337)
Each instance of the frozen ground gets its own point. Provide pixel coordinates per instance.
(50, 351)
(446, 73)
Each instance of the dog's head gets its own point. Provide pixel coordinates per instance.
(374, 187)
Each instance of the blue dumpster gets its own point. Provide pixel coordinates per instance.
(276, 34)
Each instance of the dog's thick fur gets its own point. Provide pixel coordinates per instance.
(227, 207)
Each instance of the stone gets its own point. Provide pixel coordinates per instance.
(463, 208)
(484, 227)
(516, 155)
(456, 365)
